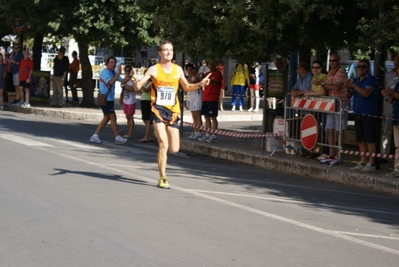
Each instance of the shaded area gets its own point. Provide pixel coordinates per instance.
(315, 193)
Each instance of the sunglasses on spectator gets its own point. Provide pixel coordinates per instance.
(316, 67)
(333, 60)
(361, 67)
(128, 69)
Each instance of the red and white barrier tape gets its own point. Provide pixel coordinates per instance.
(246, 135)
(227, 133)
(376, 155)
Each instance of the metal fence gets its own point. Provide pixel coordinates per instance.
(320, 108)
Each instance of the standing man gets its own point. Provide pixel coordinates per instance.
(210, 102)
(365, 106)
(392, 92)
(16, 60)
(334, 86)
(165, 105)
(108, 77)
(73, 77)
(60, 71)
(25, 77)
(303, 84)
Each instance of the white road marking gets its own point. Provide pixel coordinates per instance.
(290, 221)
(77, 144)
(368, 235)
(23, 141)
(242, 207)
(281, 199)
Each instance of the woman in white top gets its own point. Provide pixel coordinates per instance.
(195, 101)
(129, 102)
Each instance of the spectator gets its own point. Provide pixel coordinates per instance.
(365, 106)
(220, 67)
(239, 80)
(303, 84)
(129, 101)
(317, 90)
(108, 77)
(256, 80)
(145, 102)
(391, 78)
(318, 76)
(60, 70)
(195, 101)
(334, 86)
(15, 60)
(301, 87)
(210, 102)
(2, 80)
(73, 77)
(65, 85)
(25, 77)
(9, 86)
(392, 93)
(203, 69)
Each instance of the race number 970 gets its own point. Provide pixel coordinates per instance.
(166, 96)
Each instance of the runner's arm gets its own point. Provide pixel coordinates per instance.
(191, 86)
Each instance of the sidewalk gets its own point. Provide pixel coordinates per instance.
(240, 150)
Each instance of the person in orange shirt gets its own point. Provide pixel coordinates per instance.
(165, 106)
(73, 77)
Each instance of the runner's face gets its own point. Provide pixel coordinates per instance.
(166, 52)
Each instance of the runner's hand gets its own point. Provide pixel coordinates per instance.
(206, 80)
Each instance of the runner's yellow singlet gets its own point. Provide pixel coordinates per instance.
(166, 89)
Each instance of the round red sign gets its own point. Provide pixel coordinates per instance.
(309, 132)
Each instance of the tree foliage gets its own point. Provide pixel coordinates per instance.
(246, 30)
(113, 23)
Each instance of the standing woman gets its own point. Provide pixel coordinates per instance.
(129, 101)
(195, 101)
(73, 77)
(318, 76)
(145, 102)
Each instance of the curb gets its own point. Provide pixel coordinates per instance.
(287, 165)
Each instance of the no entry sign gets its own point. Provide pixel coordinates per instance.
(309, 132)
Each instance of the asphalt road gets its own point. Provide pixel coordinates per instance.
(67, 202)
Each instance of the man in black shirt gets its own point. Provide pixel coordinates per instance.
(60, 70)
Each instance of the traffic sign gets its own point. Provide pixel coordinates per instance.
(309, 132)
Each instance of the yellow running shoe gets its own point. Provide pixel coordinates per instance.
(163, 183)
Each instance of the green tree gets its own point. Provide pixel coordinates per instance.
(113, 23)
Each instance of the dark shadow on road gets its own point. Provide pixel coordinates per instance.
(112, 177)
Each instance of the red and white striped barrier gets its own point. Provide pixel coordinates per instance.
(323, 104)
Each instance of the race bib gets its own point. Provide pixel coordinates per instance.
(166, 96)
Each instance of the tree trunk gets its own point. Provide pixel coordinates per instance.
(37, 51)
(87, 74)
